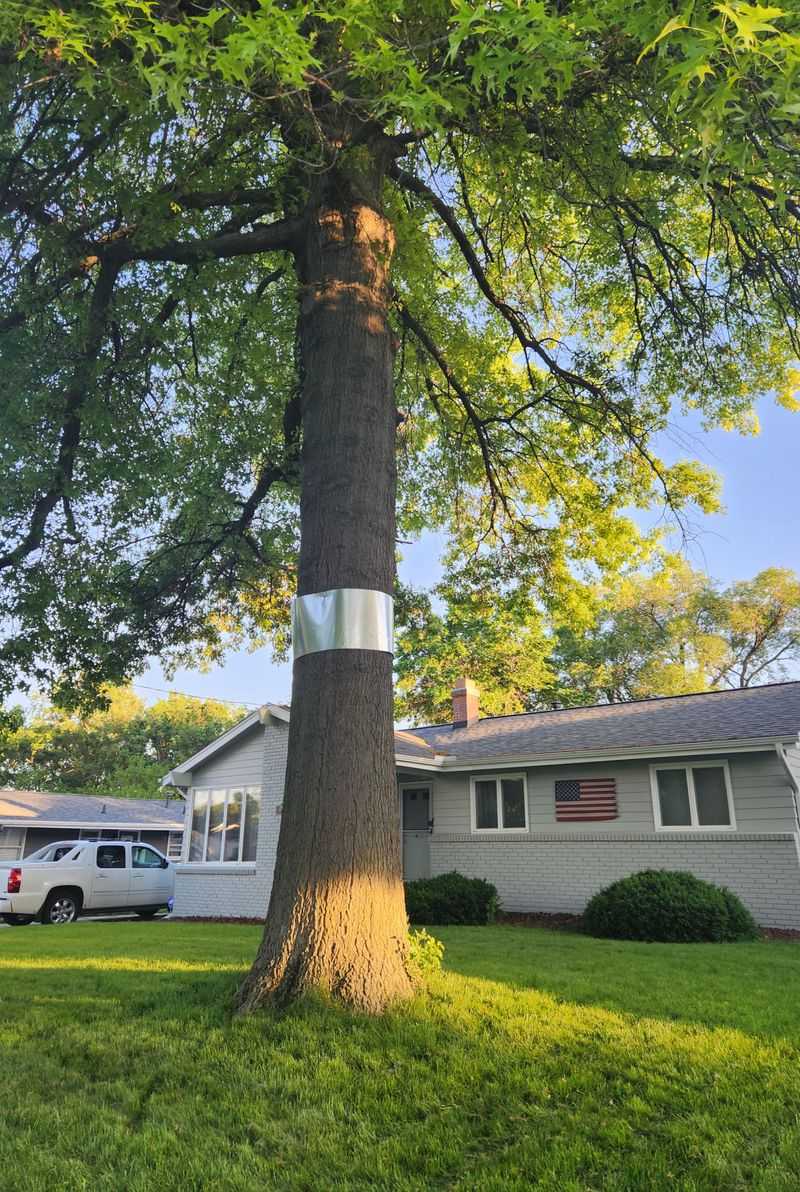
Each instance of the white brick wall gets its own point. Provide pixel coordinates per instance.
(240, 891)
(554, 873)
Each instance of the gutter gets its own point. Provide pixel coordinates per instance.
(93, 825)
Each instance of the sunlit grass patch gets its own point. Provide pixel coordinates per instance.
(122, 1068)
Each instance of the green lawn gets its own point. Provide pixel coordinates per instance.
(538, 1060)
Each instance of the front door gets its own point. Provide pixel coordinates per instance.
(416, 824)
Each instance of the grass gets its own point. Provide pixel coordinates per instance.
(538, 1060)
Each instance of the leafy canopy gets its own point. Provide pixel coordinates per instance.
(124, 750)
(596, 209)
(666, 630)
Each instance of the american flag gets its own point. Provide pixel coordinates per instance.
(586, 799)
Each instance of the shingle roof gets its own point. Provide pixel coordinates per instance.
(30, 807)
(755, 712)
(410, 745)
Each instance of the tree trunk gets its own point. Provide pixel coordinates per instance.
(336, 917)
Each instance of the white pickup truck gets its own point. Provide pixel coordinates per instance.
(85, 877)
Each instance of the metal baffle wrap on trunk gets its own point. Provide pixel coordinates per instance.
(343, 619)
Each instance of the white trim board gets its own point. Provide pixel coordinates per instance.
(67, 825)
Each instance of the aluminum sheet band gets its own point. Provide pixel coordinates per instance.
(343, 619)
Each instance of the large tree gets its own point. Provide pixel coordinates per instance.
(243, 243)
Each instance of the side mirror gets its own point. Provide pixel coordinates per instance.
(164, 863)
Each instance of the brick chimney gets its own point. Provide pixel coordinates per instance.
(465, 703)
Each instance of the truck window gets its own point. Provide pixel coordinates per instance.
(145, 858)
(111, 856)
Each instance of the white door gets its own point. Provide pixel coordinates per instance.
(416, 826)
(151, 882)
(111, 877)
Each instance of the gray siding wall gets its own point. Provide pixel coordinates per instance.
(558, 866)
(240, 891)
(241, 764)
(762, 797)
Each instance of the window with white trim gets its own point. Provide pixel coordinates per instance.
(499, 803)
(175, 846)
(224, 826)
(697, 796)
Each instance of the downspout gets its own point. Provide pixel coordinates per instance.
(780, 749)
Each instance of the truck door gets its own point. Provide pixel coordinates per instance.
(151, 883)
(111, 877)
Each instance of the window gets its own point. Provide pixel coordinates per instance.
(12, 842)
(500, 803)
(144, 857)
(696, 796)
(175, 846)
(225, 825)
(111, 856)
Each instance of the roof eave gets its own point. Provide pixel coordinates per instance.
(145, 826)
(181, 775)
(453, 762)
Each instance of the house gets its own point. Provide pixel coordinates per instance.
(31, 819)
(550, 806)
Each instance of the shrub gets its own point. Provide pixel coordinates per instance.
(425, 952)
(451, 898)
(668, 906)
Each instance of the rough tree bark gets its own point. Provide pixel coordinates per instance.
(336, 917)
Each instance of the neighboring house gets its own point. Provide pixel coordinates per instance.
(550, 806)
(31, 819)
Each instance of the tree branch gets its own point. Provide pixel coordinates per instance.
(69, 439)
(523, 334)
(282, 235)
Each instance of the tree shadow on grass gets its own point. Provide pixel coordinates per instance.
(138, 1078)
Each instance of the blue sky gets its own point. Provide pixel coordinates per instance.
(760, 527)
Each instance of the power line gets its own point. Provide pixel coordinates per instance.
(205, 698)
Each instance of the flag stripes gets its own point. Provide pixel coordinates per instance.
(583, 799)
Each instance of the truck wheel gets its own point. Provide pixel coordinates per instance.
(61, 907)
(17, 920)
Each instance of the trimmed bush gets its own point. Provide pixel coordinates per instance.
(670, 907)
(451, 898)
(425, 952)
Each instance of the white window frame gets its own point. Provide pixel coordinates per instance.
(500, 830)
(244, 790)
(695, 825)
(175, 846)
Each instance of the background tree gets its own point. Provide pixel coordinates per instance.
(122, 750)
(667, 631)
(236, 237)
